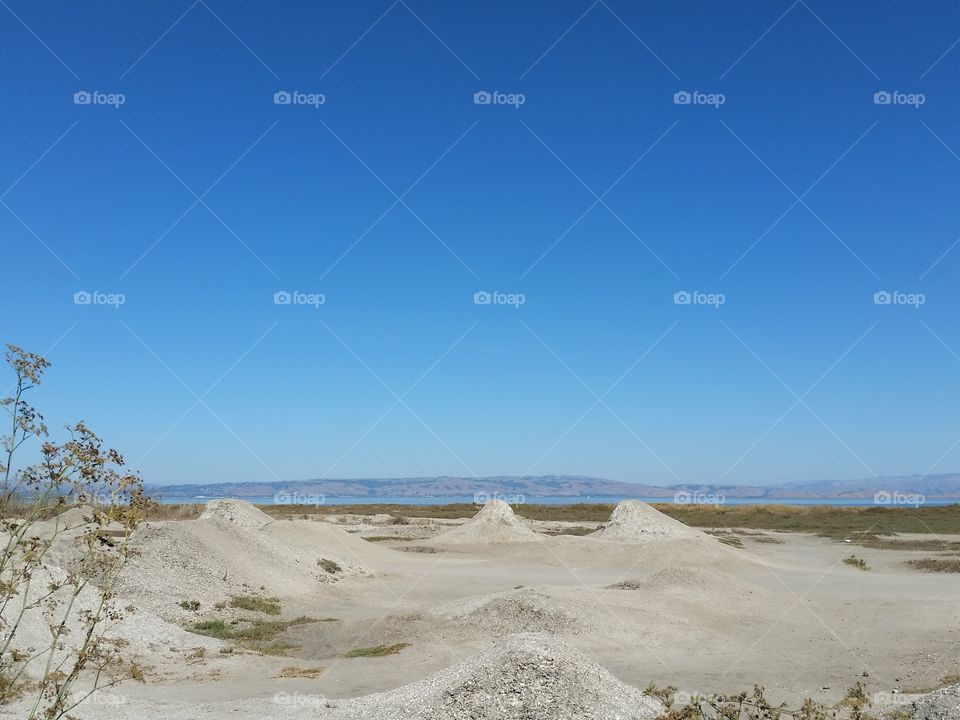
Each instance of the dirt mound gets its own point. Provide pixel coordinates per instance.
(523, 677)
(236, 512)
(498, 614)
(214, 558)
(635, 521)
(495, 524)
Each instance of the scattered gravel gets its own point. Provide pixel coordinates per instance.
(941, 704)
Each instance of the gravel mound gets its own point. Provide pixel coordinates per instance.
(941, 704)
(523, 677)
(236, 512)
(504, 613)
(495, 524)
(636, 521)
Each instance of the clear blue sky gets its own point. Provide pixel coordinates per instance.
(200, 376)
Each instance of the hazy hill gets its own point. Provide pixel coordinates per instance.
(931, 486)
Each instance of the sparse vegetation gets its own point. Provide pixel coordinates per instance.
(418, 549)
(625, 585)
(376, 650)
(258, 635)
(578, 530)
(265, 605)
(937, 565)
(877, 542)
(329, 565)
(731, 540)
(74, 608)
(754, 706)
(854, 561)
(192, 605)
(385, 538)
(832, 520)
(293, 671)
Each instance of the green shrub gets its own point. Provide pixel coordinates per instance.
(266, 605)
(376, 650)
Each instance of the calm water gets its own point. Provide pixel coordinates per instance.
(308, 499)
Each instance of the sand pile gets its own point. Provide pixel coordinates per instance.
(495, 524)
(146, 638)
(235, 549)
(635, 521)
(235, 512)
(523, 677)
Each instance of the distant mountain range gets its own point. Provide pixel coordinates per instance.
(930, 486)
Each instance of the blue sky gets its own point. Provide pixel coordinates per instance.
(793, 198)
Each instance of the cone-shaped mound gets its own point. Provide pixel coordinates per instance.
(498, 614)
(495, 524)
(522, 677)
(236, 512)
(636, 521)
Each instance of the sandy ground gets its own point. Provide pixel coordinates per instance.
(495, 599)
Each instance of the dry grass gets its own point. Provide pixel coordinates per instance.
(938, 565)
(178, 511)
(329, 566)
(832, 520)
(731, 540)
(854, 561)
(625, 585)
(577, 530)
